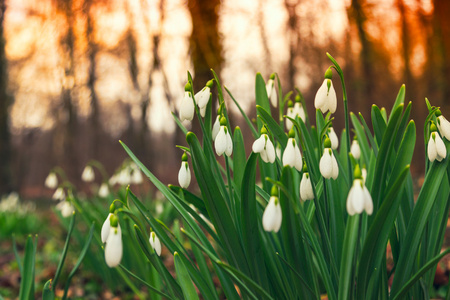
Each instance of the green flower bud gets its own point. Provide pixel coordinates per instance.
(438, 112)
(327, 143)
(223, 121)
(329, 73)
(433, 127)
(114, 221)
(274, 191)
(184, 157)
(263, 130)
(290, 103)
(305, 168)
(292, 133)
(210, 83)
(297, 98)
(112, 208)
(187, 87)
(272, 76)
(357, 173)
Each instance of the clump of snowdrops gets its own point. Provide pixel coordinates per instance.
(322, 216)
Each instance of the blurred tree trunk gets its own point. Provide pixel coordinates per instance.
(406, 47)
(94, 122)
(294, 40)
(205, 45)
(5, 102)
(441, 31)
(358, 17)
(66, 134)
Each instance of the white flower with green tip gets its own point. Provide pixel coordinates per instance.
(187, 107)
(264, 147)
(359, 198)
(355, 150)
(51, 181)
(155, 243)
(271, 90)
(184, 175)
(328, 165)
(223, 142)
(326, 99)
(436, 147)
(272, 215)
(88, 174)
(202, 97)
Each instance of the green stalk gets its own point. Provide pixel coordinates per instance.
(347, 126)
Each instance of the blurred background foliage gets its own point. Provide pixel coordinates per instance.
(78, 75)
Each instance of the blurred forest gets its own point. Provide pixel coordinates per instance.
(78, 75)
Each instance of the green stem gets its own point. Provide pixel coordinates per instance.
(347, 126)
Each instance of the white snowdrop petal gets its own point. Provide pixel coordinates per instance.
(155, 243)
(264, 156)
(51, 181)
(350, 210)
(270, 150)
(184, 175)
(444, 127)
(332, 99)
(321, 96)
(103, 191)
(274, 97)
(335, 172)
(88, 174)
(355, 149)
(432, 153)
(259, 144)
(187, 108)
(333, 138)
(289, 154)
(105, 229)
(306, 192)
(229, 148)
(326, 165)
(221, 141)
(272, 216)
(216, 128)
(440, 148)
(114, 247)
(368, 203)
(298, 159)
(357, 199)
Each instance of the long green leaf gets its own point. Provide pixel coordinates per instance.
(65, 249)
(27, 283)
(261, 96)
(183, 278)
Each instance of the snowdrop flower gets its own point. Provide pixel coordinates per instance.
(103, 191)
(264, 146)
(291, 114)
(155, 243)
(187, 107)
(306, 190)
(223, 142)
(443, 125)
(364, 173)
(436, 147)
(136, 175)
(272, 215)
(355, 150)
(124, 177)
(114, 247)
(88, 174)
(278, 151)
(325, 99)
(333, 138)
(106, 227)
(328, 164)
(292, 156)
(66, 208)
(202, 97)
(298, 109)
(216, 128)
(359, 198)
(51, 181)
(184, 175)
(59, 194)
(271, 90)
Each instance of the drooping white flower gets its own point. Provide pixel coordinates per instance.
(51, 181)
(364, 174)
(306, 190)
(103, 191)
(436, 147)
(184, 175)
(355, 149)
(187, 107)
(223, 142)
(443, 125)
(299, 110)
(292, 156)
(66, 208)
(333, 138)
(202, 97)
(272, 215)
(359, 198)
(59, 194)
(124, 177)
(114, 247)
(216, 128)
(291, 114)
(88, 174)
(326, 99)
(155, 243)
(278, 151)
(328, 164)
(271, 90)
(106, 228)
(264, 147)
(136, 175)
